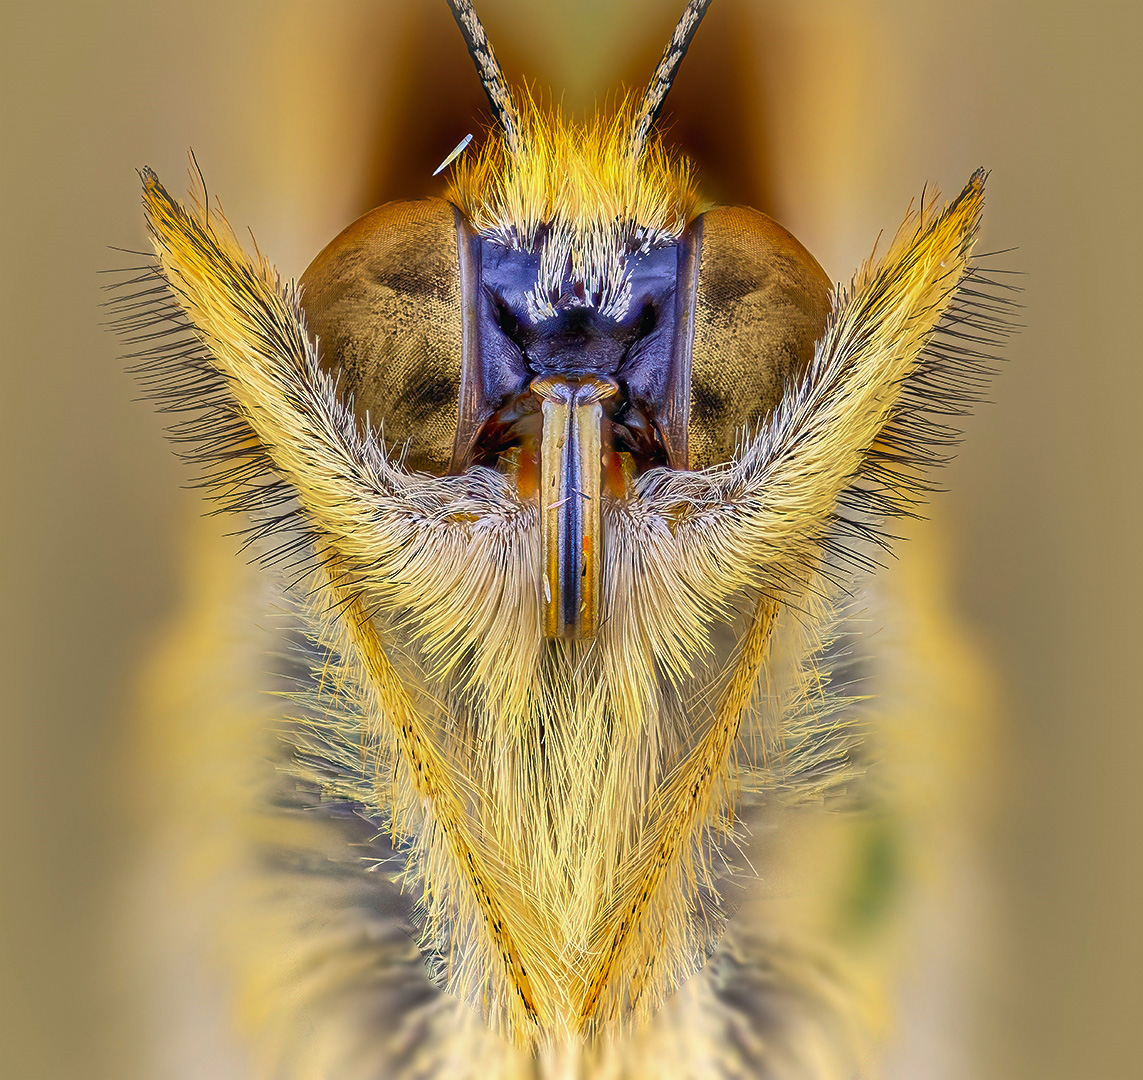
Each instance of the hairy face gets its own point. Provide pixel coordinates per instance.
(569, 477)
(547, 626)
(574, 317)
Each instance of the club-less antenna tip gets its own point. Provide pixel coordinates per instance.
(664, 77)
(500, 94)
(489, 70)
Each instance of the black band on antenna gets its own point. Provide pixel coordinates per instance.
(660, 85)
(488, 68)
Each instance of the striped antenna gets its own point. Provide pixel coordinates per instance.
(660, 85)
(488, 67)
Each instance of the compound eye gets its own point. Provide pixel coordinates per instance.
(384, 300)
(761, 304)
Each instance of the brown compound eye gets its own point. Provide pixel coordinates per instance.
(761, 303)
(384, 300)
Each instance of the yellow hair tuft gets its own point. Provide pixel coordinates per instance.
(575, 176)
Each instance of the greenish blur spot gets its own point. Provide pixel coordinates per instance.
(877, 876)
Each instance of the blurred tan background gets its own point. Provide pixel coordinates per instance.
(828, 114)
